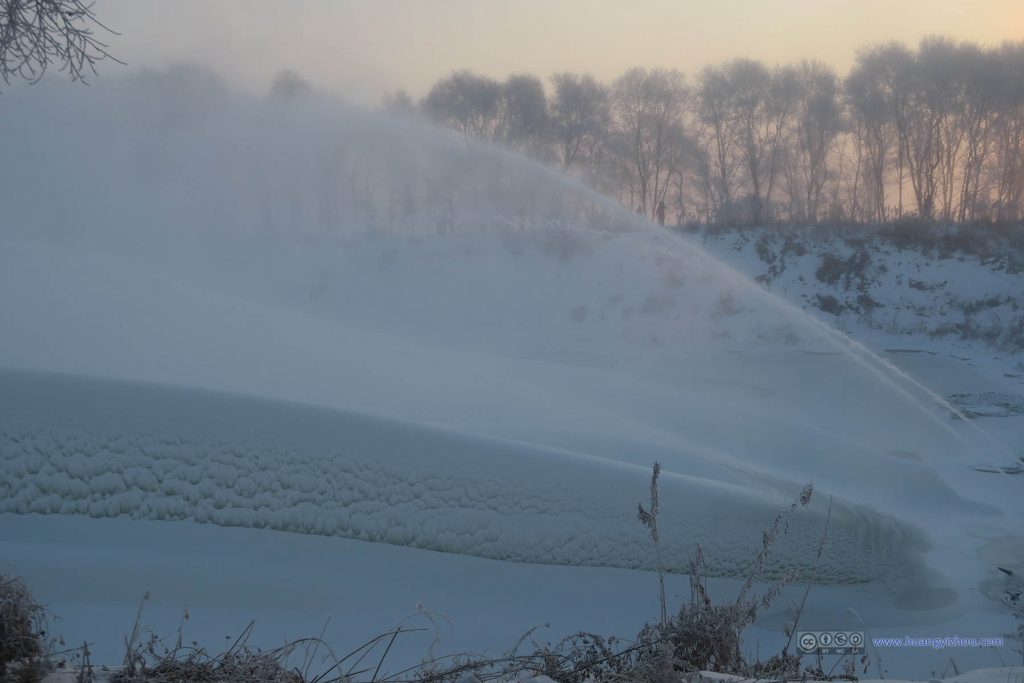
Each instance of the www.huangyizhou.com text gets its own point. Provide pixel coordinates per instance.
(939, 643)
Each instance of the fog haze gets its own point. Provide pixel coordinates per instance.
(361, 50)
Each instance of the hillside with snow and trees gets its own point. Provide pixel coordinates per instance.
(927, 283)
(568, 381)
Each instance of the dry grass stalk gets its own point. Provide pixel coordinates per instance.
(22, 632)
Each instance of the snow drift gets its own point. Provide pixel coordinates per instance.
(105, 449)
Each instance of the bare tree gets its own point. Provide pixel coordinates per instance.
(764, 103)
(467, 102)
(649, 106)
(871, 94)
(522, 114)
(720, 134)
(398, 102)
(919, 95)
(818, 123)
(289, 85)
(1009, 134)
(580, 117)
(980, 102)
(938, 129)
(35, 34)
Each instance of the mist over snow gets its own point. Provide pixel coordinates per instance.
(294, 315)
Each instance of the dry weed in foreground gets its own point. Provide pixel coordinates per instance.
(22, 632)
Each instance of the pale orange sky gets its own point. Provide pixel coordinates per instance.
(361, 48)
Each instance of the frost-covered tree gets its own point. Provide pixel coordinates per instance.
(977, 117)
(38, 34)
(648, 108)
(513, 113)
(1008, 134)
(719, 135)
(398, 102)
(763, 104)
(289, 85)
(467, 102)
(871, 94)
(580, 116)
(523, 113)
(818, 122)
(936, 131)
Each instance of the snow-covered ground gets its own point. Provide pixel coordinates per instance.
(206, 331)
(96, 572)
(942, 286)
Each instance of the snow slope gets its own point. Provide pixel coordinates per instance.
(958, 285)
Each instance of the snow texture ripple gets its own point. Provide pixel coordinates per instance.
(71, 445)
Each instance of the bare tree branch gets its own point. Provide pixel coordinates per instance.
(38, 34)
